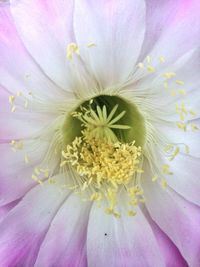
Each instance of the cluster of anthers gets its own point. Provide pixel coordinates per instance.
(105, 165)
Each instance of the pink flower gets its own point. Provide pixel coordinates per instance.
(99, 138)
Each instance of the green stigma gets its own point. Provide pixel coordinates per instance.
(111, 118)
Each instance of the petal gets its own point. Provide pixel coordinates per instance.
(172, 28)
(177, 136)
(15, 173)
(178, 218)
(116, 28)
(18, 70)
(160, 95)
(121, 242)
(46, 33)
(6, 208)
(22, 123)
(170, 252)
(24, 228)
(65, 242)
(185, 178)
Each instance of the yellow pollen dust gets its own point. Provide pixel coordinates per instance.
(104, 164)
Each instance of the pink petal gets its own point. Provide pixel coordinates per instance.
(176, 135)
(185, 179)
(15, 174)
(6, 208)
(22, 123)
(18, 70)
(128, 241)
(172, 28)
(170, 252)
(117, 30)
(178, 218)
(46, 33)
(65, 242)
(24, 228)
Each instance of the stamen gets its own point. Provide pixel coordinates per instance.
(72, 49)
(104, 164)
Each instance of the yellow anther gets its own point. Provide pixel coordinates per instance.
(194, 127)
(164, 183)
(19, 93)
(26, 159)
(183, 108)
(96, 196)
(63, 163)
(73, 187)
(72, 49)
(17, 145)
(85, 185)
(11, 99)
(182, 92)
(91, 45)
(151, 68)
(132, 213)
(179, 82)
(173, 93)
(162, 59)
(51, 181)
(13, 109)
(182, 126)
(141, 65)
(45, 172)
(117, 215)
(154, 178)
(37, 171)
(175, 153)
(166, 169)
(35, 178)
(169, 75)
(168, 147)
(192, 112)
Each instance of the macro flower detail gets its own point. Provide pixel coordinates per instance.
(99, 138)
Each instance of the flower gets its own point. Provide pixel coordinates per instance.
(99, 135)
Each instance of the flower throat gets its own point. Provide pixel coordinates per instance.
(106, 153)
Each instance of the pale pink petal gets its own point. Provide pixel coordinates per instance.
(190, 138)
(15, 174)
(24, 122)
(170, 252)
(6, 208)
(48, 27)
(128, 241)
(172, 28)
(116, 30)
(25, 226)
(185, 178)
(18, 71)
(178, 218)
(65, 242)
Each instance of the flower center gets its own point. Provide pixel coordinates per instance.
(106, 152)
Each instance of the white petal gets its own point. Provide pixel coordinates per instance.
(65, 241)
(121, 242)
(117, 30)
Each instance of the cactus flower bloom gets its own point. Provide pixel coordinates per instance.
(99, 133)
